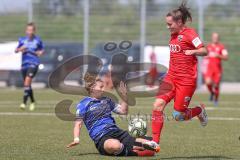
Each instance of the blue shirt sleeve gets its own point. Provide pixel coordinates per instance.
(79, 112)
(20, 42)
(40, 44)
(112, 104)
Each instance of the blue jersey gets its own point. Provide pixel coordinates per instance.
(97, 116)
(29, 57)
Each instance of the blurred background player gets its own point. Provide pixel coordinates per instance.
(185, 45)
(153, 72)
(31, 47)
(96, 113)
(213, 73)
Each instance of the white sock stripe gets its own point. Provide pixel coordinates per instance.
(27, 88)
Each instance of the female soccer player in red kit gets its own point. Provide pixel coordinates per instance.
(213, 74)
(185, 45)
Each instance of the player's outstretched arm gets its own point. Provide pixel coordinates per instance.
(21, 49)
(76, 133)
(198, 52)
(122, 108)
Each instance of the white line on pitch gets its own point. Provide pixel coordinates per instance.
(224, 118)
(53, 114)
(25, 114)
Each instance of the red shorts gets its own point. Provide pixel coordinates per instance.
(214, 74)
(170, 89)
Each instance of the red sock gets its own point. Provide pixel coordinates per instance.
(157, 125)
(144, 153)
(192, 112)
(209, 86)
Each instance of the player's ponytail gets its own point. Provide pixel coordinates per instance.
(181, 13)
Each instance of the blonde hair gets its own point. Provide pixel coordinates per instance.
(90, 81)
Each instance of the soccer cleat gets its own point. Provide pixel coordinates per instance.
(215, 103)
(203, 118)
(151, 145)
(32, 107)
(22, 106)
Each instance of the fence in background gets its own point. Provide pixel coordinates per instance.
(140, 21)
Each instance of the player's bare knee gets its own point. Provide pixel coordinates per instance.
(27, 81)
(208, 81)
(112, 146)
(159, 105)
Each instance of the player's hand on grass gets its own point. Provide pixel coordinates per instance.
(72, 144)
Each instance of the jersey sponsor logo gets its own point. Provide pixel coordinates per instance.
(92, 108)
(174, 48)
(212, 54)
(196, 42)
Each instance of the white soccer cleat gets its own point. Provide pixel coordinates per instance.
(32, 107)
(22, 106)
(151, 145)
(203, 118)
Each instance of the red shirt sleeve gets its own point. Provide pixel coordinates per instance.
(223, 50)
(194, 39)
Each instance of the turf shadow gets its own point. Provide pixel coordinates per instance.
(87, 154)
(194, 157)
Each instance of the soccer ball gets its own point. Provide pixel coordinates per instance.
(137, 127)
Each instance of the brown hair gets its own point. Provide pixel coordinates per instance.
(31, 24)
(181, 13)
(90, 81)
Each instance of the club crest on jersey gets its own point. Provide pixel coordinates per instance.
(180, 37)
(104, 101)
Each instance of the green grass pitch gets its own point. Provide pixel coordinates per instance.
(41, 135)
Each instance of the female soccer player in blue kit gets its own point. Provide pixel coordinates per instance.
(96, 113)
(31, 47)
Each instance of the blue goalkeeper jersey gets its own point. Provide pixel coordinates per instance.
(97, 116)
(29, 57)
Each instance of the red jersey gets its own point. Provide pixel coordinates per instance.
(214, 63)
(183, 68)
(204, 65)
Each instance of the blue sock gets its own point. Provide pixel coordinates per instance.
(26, 94)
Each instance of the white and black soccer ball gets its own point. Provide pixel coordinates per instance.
(137, 127)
